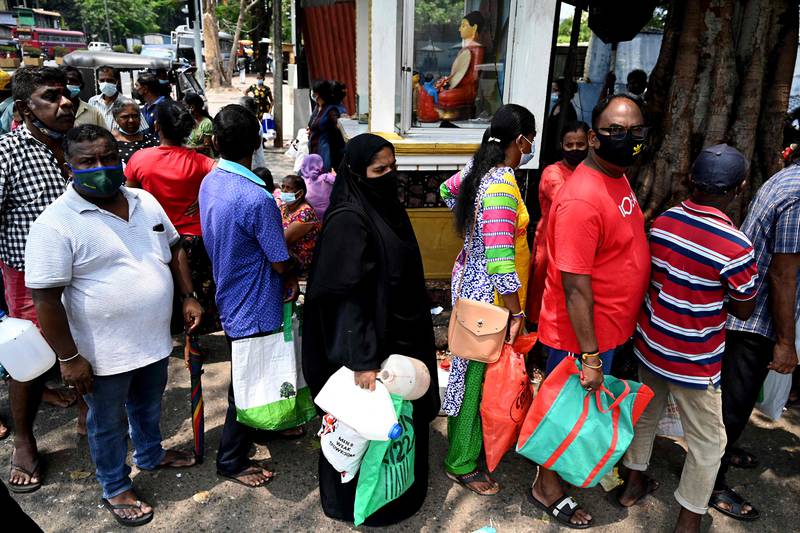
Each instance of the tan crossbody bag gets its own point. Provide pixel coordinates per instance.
(477, 330)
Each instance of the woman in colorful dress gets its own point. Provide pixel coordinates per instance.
(574, 148)
(300, 223)
(487, 201)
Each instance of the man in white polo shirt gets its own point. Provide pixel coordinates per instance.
(100, 261)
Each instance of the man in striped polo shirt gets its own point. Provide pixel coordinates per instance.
(703, 268)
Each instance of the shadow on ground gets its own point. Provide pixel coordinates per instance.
(69, 500)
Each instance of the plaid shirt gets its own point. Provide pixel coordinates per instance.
(773, 226)
(30, 180)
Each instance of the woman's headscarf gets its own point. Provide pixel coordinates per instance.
(311, 167)
(377, 196)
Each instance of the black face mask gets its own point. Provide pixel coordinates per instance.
(574, 157)
(136, 95)
(620, 152)
(384, 186)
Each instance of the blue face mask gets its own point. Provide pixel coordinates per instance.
(288, 197)
(260, 82)
(108, 89)
(526, 158)
(74, 90)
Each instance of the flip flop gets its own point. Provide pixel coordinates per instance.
(172, 464)
(736, 503)
(129, 522)
(562, 510)
(252, 469)
(30, 487)
(651, 485)
(465, 479)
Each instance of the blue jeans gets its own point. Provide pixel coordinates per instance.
(556, 356)
(122, 404)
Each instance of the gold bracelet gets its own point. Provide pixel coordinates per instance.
(593, 367)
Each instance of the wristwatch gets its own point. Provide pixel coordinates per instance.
(188, 295)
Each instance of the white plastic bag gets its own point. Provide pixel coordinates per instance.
(670, 423)
(775, 391)
(342, 446)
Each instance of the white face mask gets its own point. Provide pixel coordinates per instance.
(527, 158)
(108, 89)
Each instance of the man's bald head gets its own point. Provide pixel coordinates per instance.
(618, 109)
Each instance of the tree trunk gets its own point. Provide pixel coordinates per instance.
(244, 7)
(213, 57)
(723, 75)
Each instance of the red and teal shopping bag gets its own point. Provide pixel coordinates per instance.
(578, 434)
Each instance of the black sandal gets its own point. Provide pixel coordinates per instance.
(562, 510)
(128, 522)
(744, 460)
(465, 479)
(736, 503)
(252, 469)
(30, 487)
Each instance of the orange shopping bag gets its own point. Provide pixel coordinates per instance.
(507, 395)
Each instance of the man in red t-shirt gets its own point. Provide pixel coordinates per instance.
(599, 267)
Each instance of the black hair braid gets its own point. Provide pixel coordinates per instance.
(509, 122)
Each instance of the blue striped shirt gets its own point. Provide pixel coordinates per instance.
(773, 226)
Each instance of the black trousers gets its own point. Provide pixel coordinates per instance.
(744, 369)
(13, 516)
(235, 443)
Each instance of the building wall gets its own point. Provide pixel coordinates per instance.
(329, 35)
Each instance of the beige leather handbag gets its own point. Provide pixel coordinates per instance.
(477, 330)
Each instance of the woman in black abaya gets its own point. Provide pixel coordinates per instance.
(366, 300)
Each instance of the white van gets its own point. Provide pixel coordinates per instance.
(99, 46)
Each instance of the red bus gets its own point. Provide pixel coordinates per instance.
(48, 39)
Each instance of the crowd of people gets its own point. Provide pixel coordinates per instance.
(131, 202)
(166, 208)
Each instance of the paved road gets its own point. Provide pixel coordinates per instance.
(290, 503)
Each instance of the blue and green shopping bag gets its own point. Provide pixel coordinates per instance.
(579, 434)
(387, 469)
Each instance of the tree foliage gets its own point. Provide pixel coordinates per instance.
(565, 29)
(127, 18)
(438, 12)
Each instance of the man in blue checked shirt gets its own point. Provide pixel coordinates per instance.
(765, 341)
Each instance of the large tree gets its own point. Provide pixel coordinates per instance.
(723, 75)
(213, 57)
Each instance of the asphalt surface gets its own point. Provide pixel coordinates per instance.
(70, 497)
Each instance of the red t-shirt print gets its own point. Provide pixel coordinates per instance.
(595, 228)
(173, 175)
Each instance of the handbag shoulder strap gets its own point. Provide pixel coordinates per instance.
(468, 248)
